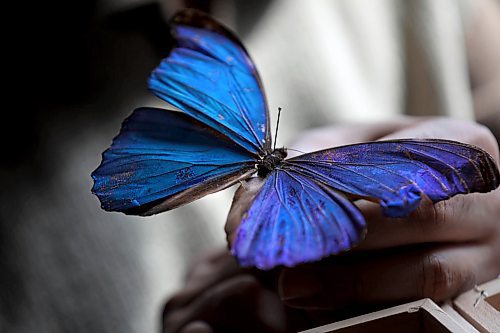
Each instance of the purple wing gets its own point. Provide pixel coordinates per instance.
(399, 172)
(294, 220)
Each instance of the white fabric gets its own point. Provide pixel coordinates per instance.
(355, 60)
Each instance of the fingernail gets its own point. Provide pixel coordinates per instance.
(295, 284)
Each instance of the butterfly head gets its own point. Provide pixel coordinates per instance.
(270, 161)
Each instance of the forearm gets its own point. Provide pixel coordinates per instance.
(483, 54)
(487, 105)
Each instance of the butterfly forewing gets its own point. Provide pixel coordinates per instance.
(399, 172)
(162, 159)
(210, 76)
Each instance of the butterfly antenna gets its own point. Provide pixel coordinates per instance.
(277, 126)
(299, 151)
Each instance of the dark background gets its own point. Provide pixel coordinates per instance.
(73, 72)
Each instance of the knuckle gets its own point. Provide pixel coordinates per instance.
(487, 207)
(442, 280)
(430, 217)
(494, 201)
(438, 277)
(437, 218)
(484, 138)
(496, 253)
(469, 131)
(440, 214)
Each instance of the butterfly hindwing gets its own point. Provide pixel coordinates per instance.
(398, 172)
(210, 76)
(294, 220)
(162, 159)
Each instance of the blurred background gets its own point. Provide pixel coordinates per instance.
(76, 69)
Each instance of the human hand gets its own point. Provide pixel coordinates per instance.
(437, 252)
(221, 297)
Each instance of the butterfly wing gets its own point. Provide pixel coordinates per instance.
(293, 220)
(398, 172)
(210, 76)
(162, 159)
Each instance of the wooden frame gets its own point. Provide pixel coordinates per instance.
(481, 306)
(415, 317)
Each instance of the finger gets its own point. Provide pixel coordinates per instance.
(450, 129)
(204, 274)
(212, 267)
(438, 273)
(331, 136)
(197, 327)
(237, 304)
(204, 305)
(462, 218)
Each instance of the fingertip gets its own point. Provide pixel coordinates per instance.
(197, 327)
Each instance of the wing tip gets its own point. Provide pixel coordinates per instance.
(198, 19)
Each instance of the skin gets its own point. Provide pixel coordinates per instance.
(483, 54)
(438, 251)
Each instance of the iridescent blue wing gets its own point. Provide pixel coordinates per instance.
(162, 159)
(293, 220)
(398, 172)
(210, 76)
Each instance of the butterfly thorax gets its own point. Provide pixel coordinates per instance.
(270, 161)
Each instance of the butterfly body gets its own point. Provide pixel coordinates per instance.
(270, 161)
(163, 159)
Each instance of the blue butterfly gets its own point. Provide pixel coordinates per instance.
(163, 159)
